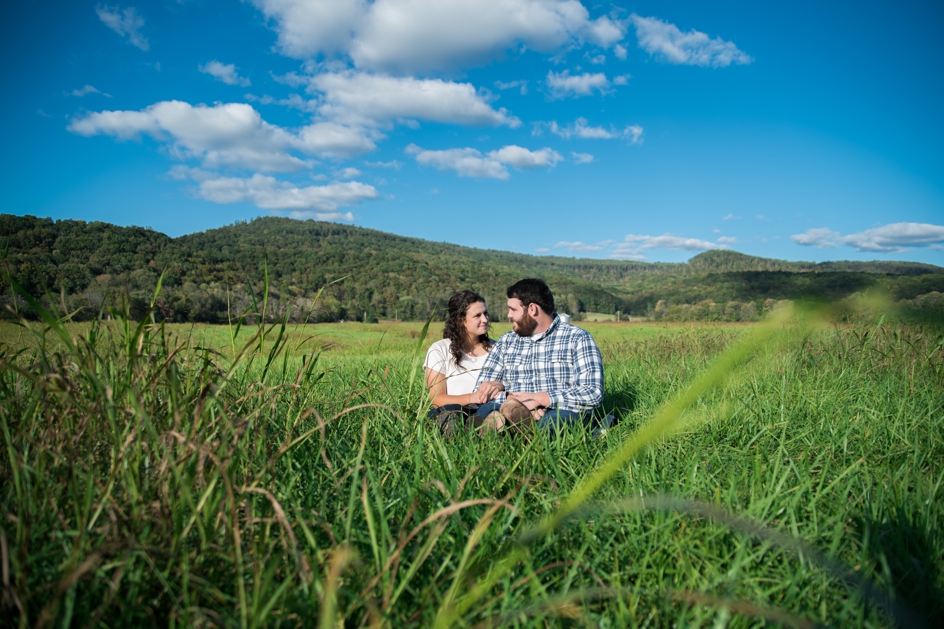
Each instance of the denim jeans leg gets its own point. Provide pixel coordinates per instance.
(556, 418)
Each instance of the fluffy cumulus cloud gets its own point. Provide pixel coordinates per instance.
(232, 134)
(893, 238)
(820, 237)
(582, 158)
(347, 173)
(225, 72)
(422, 36)
(581, 129)
(695, 48)
(564, 84)
(125, 22)
(359, 98)
(469, 162)
(321, 202)
(633, 247)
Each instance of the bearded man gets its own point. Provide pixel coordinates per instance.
(551, 371)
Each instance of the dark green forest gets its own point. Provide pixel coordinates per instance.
(330, 272)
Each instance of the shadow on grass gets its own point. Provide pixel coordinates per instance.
(620, 402)
(909, 554)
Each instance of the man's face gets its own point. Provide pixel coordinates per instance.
(522, 322)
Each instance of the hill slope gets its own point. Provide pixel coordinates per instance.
(376, 274)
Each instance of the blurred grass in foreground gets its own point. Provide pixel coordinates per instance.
(178, 475)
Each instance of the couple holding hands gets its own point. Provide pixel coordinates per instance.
(544, 373)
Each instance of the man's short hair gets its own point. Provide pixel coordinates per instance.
(532, 291)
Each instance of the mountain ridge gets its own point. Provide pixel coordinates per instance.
(366, 273)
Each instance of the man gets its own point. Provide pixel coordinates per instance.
(551, 371)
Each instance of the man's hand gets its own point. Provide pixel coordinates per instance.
(532, 400)
(487, 392)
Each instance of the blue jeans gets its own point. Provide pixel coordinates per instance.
(552, 420)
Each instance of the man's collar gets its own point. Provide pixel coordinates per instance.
(537, 337)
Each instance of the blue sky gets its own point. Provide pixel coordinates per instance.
(640, 131)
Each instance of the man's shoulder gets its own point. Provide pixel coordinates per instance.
(506, 339)
(572, 331)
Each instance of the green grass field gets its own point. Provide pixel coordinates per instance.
(781, 475)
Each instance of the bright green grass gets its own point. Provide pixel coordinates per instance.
(146, 479)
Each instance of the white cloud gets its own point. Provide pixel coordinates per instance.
(522, 85)
(731, 217)
(126, 23)
(87, 89)
(728, 240)
(356, 98)
(43, 113)
(666, 41)
(620, 51)
(622, 79)
(893, 238)
(266, 192)
(329, 139)
(596, 60)
(633, 246)
(232, 134)
(582, 130)
(421, 36)
(896, 237)
(582, 158)
(578, 246)
(469, 162)
(225, 72)
(347, 173)
(563, 84)
(524, 159)
(820, 237)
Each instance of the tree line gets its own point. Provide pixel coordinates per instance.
(321, 271)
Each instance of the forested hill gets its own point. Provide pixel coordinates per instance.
(373, 274)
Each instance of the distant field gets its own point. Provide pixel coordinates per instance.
(368, 339)
(148, 479)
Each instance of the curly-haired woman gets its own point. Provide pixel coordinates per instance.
(452, 364)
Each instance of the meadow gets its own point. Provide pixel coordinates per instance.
(777, 474)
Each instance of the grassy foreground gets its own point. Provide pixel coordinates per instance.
(184, 476)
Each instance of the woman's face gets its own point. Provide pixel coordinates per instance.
(476, 319)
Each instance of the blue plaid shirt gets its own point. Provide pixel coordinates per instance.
(563, 361)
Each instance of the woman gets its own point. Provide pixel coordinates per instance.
(452, 364)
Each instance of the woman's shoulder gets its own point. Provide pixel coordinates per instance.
(440, 348)
(441, 344)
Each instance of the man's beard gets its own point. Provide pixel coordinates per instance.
(524, 326)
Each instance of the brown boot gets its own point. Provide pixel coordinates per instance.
(517, 415)
(494, 422)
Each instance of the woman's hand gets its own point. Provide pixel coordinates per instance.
(487, 392)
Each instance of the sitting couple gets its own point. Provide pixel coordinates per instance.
(544, 372)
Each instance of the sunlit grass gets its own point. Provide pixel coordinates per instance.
(152, 474)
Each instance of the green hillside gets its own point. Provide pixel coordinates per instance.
(380, 275)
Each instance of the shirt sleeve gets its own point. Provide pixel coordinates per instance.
(436, 358)
(587, 389)
(494, 366)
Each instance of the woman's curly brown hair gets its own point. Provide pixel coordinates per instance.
(455, 322)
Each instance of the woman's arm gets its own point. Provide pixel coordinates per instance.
(436, 385)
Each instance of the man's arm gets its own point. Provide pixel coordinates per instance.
(587, 389)
(493, 369)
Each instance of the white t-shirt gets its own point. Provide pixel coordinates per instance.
(460, 379)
